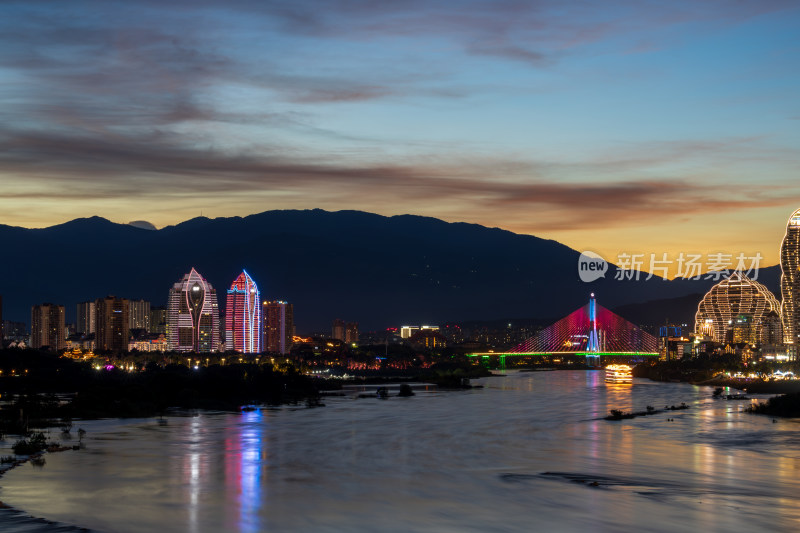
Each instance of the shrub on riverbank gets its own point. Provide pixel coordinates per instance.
(692, 370)
(33, 444)
(453, 375)
(787, 405)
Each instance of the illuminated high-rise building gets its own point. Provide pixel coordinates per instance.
(278, 326)
(790, 280)
(112, 319)
(139, 315)
(47, 327)
(243, 316)
(193, 315)
(86, 318)
(735, 310)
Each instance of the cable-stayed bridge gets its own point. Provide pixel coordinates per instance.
(592, 331)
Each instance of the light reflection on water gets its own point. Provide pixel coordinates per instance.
(247, 474)
(450, 461)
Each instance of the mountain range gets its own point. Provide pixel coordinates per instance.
(376, 270)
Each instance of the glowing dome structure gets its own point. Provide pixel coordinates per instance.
(734, 310)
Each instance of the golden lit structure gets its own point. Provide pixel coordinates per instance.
(790, 280)
(619, 374)
(78, 355)
(734, 310)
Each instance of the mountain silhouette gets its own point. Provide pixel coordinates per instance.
(376, 270)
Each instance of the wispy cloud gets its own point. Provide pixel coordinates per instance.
(158, 165)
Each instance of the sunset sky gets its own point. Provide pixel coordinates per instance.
(612, 126)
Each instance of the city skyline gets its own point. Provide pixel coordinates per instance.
(342, 265)
(648, 121)
(427, 275)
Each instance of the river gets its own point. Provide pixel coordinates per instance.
(529, 452)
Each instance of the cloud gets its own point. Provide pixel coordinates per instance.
(516, 53)
(158, 165)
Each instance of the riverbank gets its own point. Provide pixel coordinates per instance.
(786, 405)
(712, 373)
(786, 402)
(38, 387)
(755, 386)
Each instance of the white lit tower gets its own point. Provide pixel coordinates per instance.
(790, 280)
(593, 342)
(193, 315)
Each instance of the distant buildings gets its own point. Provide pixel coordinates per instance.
(455, 334)
(193, 315)
(772, 329)
(15, 331)
(139, 315)
(790, 280)
(149, 342)
(338, 329)
(47, 327)
(351, 333)
(278, 326)
(428, 338)
(346, 332)
(672, 347)
(158, 320)
(243, 316)
(112, 320)
(86, 318)
(736, 310)
(407, 331)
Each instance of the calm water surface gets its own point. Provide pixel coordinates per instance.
(526, 453)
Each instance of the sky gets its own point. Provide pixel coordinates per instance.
(613, 126)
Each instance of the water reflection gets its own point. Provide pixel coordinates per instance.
(244, 464)
(422, 463)
(195, 468)
(194, 475)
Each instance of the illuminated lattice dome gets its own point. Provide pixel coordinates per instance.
(734, 310)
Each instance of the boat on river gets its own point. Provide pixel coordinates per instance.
(619, 374)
